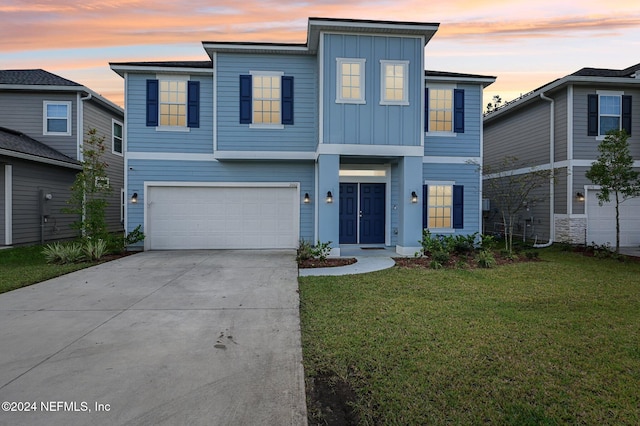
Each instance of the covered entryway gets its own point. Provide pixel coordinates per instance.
(362, 213)
(601, 221)
(228, 216)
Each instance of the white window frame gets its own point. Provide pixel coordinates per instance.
(113, 137)
(45, 118)
(339, 63)
(451, 88)
(431, 184)
(610, 93)
(383, 82)
(101, 182)
(274, 126)
(173, 77)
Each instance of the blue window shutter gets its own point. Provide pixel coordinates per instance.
(458, 110)
(592, 119)
(425, 193)
(287, 100)
(193, 104)
(426, 109)
(458, 206)
(245, 99)
(152, 102)
(626, 114)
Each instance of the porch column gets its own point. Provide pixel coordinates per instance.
(409, 213)
(328, 213)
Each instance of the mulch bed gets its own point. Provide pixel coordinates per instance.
(327, 263)
(459, 261)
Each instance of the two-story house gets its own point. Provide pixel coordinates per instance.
(44, 119)
(344, 138)
(559, 126)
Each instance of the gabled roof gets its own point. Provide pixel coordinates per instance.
(601, 77)
(19, 145)
(37, 77)
(485, 80)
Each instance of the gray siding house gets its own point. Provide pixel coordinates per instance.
(44, 119)
(559, 126)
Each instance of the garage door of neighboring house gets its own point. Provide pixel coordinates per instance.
(601, 221)
(222, 217)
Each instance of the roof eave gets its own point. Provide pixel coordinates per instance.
(122, 69)
(485, 81)
(37, 158)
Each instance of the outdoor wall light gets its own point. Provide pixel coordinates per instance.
(580, 196)
(414, 197)
(307, 199)
(134, 198)
(329, 197)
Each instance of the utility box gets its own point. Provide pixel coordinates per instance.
(486, 204)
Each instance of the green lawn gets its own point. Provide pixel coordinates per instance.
(541, 343)
(23, 266)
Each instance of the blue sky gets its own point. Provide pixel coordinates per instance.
(525, 44)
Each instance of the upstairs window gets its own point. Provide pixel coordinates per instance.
(350, 80)
(444, 110)
(394, 81)
(116, 143)
(608, 110)
(173, 103)
(56, 118)
(266, 100)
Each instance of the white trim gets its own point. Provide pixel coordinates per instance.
(173, 77)
(569, 148)
(69, 106)
(407, 251)
(437, 133)
(440, 182)
(405, 82)
(31, 157)
(175, 156)
(8, 204)
(251, 47)
(150, 184)
(263, 125)
(430, 184)
(422, 100)
(265, 155)
(362, 62)
(452, 160)
(371, 150)
(214, 58)
(557, 165)
(267, 126)
(267, 73)
(124, 69)
(609, 93)
(123, 205)
(316, 186)
(113, 137)
(125, 146)
(79, 129)
(476, 80)
(184, 129)
(321, 90)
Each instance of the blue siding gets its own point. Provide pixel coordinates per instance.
(465, 144)
(213, 171)
(466, 175)
(372, 123)
(143, 138)
(301, 136)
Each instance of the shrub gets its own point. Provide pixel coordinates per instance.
(531, 254)
(94, 248)
(434, 264)
(304, 251)
(485, 259)
(63, 253)
(488, 242)
(321, 250)
(441, 257)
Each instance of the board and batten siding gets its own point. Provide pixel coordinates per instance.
(525, 135)
(586, 147)
(462, 174)
(143, 138)
(300, 136)
(465, 144)
(372, 123)
(98, 118)
(214, 171)
(23, 112)
(28, 179)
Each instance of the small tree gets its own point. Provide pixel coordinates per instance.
(613, 171)
(497, 100)
(512, 192)
(90, 189)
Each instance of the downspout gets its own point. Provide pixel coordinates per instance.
(552, 148)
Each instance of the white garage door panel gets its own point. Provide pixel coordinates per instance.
(601, 221)
(222, 217)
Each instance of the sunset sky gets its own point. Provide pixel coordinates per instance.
(524, 43)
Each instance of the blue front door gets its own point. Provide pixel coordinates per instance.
(362, 206)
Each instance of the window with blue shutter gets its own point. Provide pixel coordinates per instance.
(152, 102)
(626, 114)
(425, 205)
(193, 104)
(458, 110)
(287, 100)
(266, 99)
(426, 110)
(245, 99)
(458, 206)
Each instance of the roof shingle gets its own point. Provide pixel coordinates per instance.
(12, 140)
(36, 77)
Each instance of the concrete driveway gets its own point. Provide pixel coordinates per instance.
(158, 338)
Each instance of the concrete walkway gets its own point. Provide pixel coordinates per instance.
(158, 338)
(369, 259)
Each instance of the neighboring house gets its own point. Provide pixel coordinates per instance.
(44, 119)
(559, 126)
(342, 139)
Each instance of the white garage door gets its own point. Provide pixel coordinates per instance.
(195, 217)
(601, 221)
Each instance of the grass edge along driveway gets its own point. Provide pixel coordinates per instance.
(549, 342)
